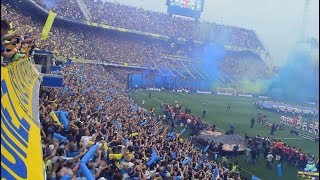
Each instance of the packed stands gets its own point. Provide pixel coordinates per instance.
(68, 9)
(298, 123)
(93, 114)
(127, 137)
(139, 51)
(93, 110)
(20, 125)
(124, 16)
(244, 63)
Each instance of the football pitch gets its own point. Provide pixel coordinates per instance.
(242, 110)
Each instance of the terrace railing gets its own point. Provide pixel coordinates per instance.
(187, 69)
(176, 70)
(198, 72)
(157, 67)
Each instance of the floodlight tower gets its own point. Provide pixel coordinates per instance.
(306, 12)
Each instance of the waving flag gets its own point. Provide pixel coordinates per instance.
(47, 27)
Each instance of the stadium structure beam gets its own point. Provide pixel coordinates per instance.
(157, 67)
(176, 70)
(187, 69)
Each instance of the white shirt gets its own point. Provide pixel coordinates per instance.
(86, 139)
(248, 151)
(55, 159)
(270, 157)
(147, 174)
(129, 164)
(189, 121)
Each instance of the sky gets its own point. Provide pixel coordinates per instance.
(278, 23)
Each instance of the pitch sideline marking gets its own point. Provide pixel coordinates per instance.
(290, 138)
(219, 128)
(151, 97)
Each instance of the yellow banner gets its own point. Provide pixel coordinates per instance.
(21, 153)
(22, 77)
(47, 27)
(308, 173)
(125, 30)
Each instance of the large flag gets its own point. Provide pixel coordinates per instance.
(47, 27)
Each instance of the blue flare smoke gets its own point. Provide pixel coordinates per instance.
(298, 79)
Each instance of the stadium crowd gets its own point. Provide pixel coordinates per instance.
(134, 18)
(119, 49)
(287, 109)
(244, 64)
(125, 135)
(68, 9)
(298, 123)
(100, 112)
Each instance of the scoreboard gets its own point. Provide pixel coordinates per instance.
(189, 4)
(189, 8)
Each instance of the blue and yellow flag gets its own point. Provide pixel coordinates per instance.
(47, 27)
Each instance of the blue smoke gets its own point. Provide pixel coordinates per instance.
(298, 79)
(214, 53)
(210, 59)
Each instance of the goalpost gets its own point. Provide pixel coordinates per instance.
(226, 91)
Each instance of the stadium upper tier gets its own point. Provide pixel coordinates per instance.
(154, 22)
(98, 44)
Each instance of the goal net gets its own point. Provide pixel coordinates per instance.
(226, 91)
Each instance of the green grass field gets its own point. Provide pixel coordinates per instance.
(242, 110)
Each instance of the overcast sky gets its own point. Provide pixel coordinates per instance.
(277, 22)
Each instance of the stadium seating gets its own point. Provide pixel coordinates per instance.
(97, 134)
(115, 48)
(134, 18)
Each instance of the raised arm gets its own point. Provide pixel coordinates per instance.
(7, 55)
(54, 151)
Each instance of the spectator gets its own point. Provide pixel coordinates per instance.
(133, 18)
(120, 154)
(269, 160)
(5, 27)
(99, 106)
(247, 153)
(120, 49)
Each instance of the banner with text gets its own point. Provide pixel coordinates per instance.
(21, 153)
